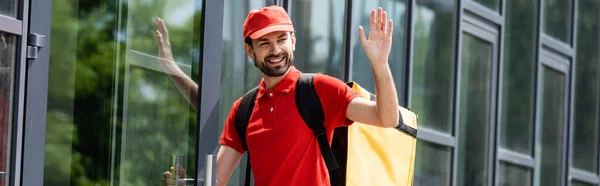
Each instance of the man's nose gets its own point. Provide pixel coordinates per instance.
(275, 49)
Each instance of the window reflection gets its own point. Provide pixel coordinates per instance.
(474, 108)
(433, 164)
(319, 29)
(509, 174)
(518, 77)
(433, 69)
(9, 8)
(587, 89)
(116, 114)
(552, 109)
(361, 67)
(7, 62)
(558, 19)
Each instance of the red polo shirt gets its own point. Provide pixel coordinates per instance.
(284, 150)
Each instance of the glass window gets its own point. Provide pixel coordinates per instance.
(587, 89)
(361, 67)
(9, 8)
(433, 69)
(8, 51)
(509, 174)
(576, 183)
(518, 77)
(433, 165)
(491, 4)
(552, 107)
(319, 32)
(119, 111)
(557, 19)
(238, 73)
(474, 111)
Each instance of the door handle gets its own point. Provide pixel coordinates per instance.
(208, 170)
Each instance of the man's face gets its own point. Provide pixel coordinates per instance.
(273, 53)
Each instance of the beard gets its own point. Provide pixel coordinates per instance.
(274, 71)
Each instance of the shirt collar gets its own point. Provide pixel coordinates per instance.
(284, 86)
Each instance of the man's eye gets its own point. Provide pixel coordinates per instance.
(281, 40)
(263, 44)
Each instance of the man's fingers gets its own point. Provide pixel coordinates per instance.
(390, 28)
(373, 22)
(181, 171)
(361, 35)
(161, 26)
(383, 20)
(159, 38)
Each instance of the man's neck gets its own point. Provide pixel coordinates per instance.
(271, 82)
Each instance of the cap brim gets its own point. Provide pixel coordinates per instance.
(272, 28)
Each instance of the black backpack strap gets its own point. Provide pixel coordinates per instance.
(401, 126)
(311, 110)
(242, 117)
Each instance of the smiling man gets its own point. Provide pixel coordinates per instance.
(284, 150)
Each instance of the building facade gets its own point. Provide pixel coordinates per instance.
(507, 91)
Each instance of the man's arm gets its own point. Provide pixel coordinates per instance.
(186, 86)
(383, 112)
(227, 159)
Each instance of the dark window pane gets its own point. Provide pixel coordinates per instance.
(319, 29)
(118, 114)
(576, 183)
(557, 19)
(474, 108)
(9, 8)
(433, 164)
(491, 4)
(238, 73)
(509, 175)
(8, 51)
(361, 67)
(552, 107)
(518, 77)
(587, 90)
(433, 69)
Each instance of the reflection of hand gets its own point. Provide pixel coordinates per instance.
(186, 86)
(379, 43)
(164, 46)
(2, 42)
(169, 178)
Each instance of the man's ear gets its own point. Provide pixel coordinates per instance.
(249, 50)
(293, 36)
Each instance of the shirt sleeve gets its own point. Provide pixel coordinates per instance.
(230, 136)
(335, 97)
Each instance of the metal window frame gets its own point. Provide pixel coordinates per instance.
(34, 124)
(560, 63)
(489, 32)
(506, 155)
(16, 26)
(576, 174)
(211, 47)
(11, 25)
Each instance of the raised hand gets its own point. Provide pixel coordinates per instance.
(162, 40)
(379, 43)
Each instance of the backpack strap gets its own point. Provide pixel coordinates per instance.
(242, 117)
(310, 108)
(402, 127)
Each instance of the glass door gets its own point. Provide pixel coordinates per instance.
(123, 93)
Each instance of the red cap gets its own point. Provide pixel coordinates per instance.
(266, 20)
